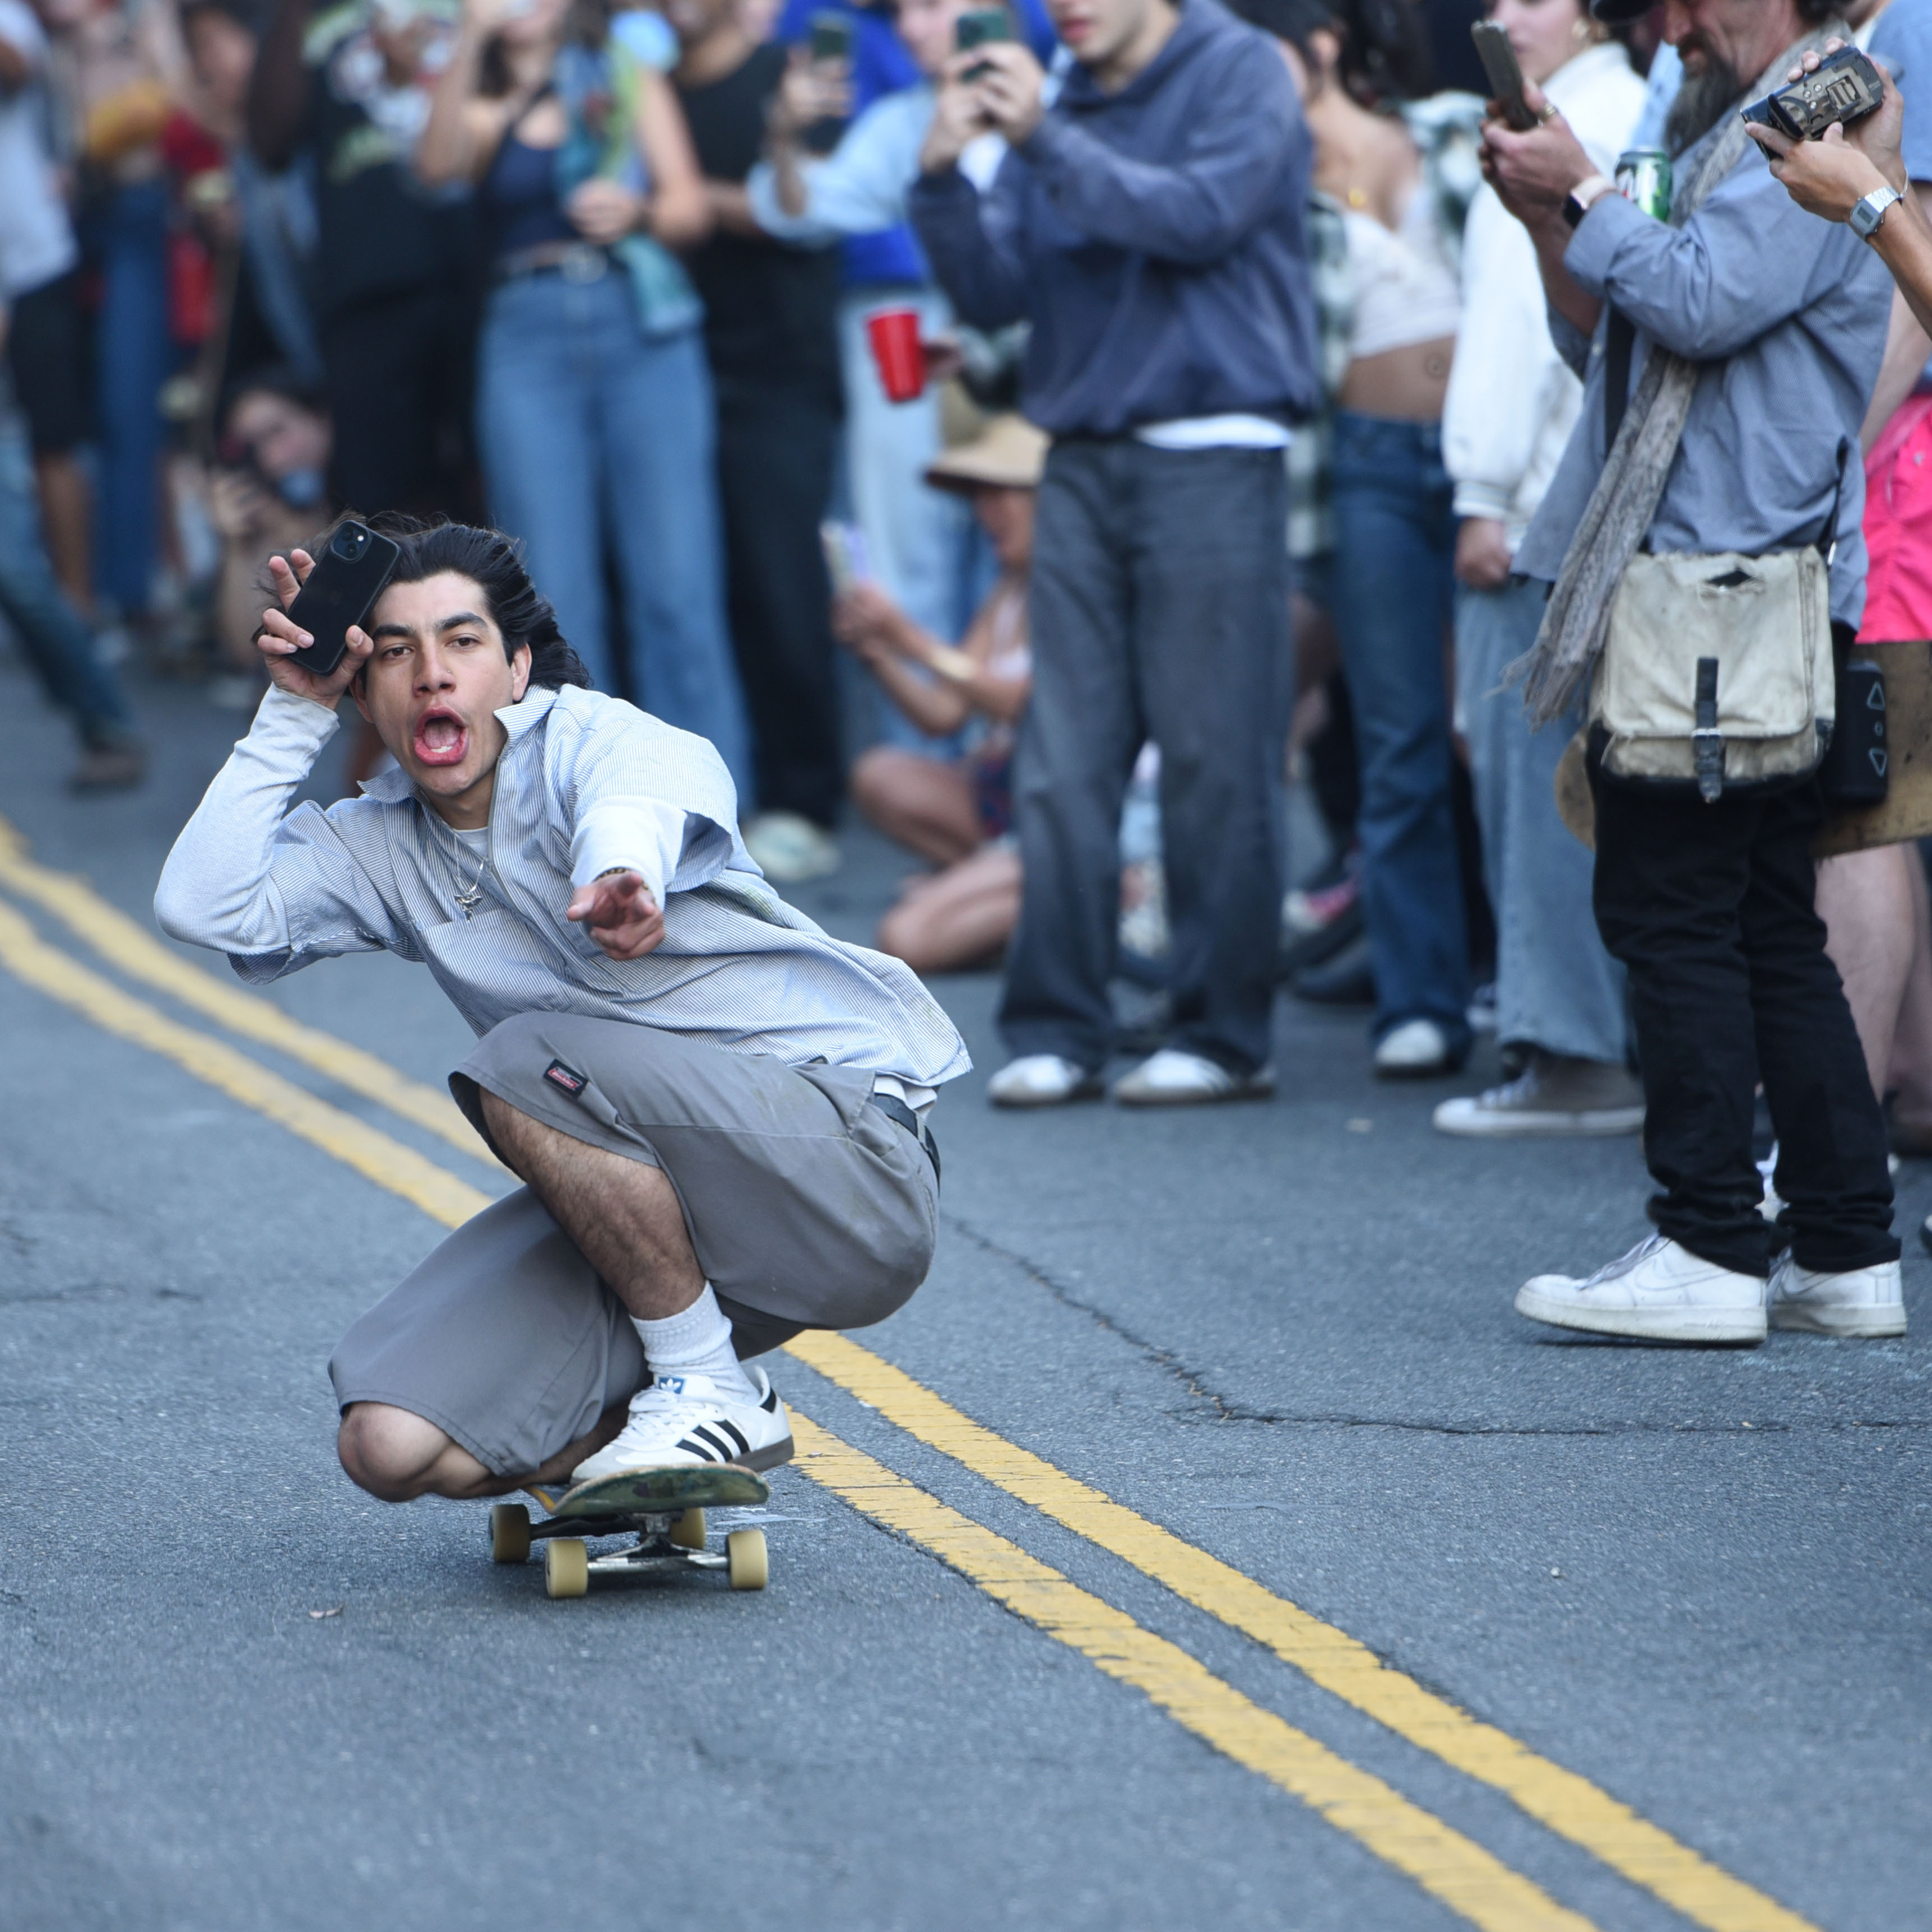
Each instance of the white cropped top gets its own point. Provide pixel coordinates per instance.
(1405, 284)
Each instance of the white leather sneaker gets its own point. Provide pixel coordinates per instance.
(689, 1419)
(1173, 1078)
(1413, 1051)
(1866, 1301)
(790, 849)
(1041, 1080)
(1660, 1291)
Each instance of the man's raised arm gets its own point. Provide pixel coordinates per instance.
(271, 888)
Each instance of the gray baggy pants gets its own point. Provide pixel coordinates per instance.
(808, 1207)
(1158, 607)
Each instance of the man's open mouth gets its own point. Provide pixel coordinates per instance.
(440, 738)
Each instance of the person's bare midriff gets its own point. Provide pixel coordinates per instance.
(1406, 384)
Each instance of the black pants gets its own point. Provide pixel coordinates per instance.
(775, 450)
(399, 370)
(1159, 609)
(1710, 907)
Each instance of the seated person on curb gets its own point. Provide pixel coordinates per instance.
(718, 1112)
(956, 815)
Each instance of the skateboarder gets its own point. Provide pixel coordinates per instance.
(718, 1110)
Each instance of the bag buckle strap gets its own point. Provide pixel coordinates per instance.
(1707, 742)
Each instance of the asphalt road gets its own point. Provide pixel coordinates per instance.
(234, 1693)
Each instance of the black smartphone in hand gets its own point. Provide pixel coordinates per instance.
(1505, 74)
(831, 38)
(348, 577)
(976, 28)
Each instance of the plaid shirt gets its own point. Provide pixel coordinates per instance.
(1447, 130)
(1311, 521)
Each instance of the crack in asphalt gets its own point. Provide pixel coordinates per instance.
(1164, 1359)
(1222, 1409)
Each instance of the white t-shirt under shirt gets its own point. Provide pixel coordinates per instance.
(36, 238)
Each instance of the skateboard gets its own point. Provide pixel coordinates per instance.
(663, 1508)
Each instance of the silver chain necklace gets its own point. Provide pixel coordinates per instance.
(469, 897)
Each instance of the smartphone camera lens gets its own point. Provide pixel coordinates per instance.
(349, 545)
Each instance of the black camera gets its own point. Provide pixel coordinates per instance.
(1846, 87)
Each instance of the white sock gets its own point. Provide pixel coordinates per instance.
(696, 1342)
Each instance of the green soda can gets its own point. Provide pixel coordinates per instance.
(1643, 179)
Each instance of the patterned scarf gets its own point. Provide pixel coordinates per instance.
(1576, 619)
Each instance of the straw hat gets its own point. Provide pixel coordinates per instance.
(1009, 452)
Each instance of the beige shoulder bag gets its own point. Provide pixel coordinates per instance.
(1717, 668)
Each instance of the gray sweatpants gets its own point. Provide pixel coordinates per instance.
(808, 1207)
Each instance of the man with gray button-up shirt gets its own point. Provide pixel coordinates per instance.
(719, 1111)
(1709, 903)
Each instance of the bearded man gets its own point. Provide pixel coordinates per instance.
(1728, 354)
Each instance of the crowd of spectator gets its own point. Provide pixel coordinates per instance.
(1246, 376)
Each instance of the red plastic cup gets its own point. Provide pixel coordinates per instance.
(894, 338)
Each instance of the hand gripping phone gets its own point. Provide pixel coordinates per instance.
(348, 577)
(831, 38)
(976, 28)
(1505, 76)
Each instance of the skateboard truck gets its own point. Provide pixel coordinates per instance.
(663, 1508)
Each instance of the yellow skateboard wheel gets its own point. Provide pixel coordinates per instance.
(747, 1564)
(509, 1533)
(687, 1531)
(566, 1566)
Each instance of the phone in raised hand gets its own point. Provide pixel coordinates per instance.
(1505, 74)
(340, 592)
(831, 38)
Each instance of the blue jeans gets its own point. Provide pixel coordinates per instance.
(57, 645)
(1556, 986)
(127, 240)
(1393, 599)
(588, 427)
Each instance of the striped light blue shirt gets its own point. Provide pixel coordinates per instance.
(585, 783)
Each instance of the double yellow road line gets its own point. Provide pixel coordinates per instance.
(1447, 1863)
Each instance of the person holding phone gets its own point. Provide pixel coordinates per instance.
(1150, 222)
(771, 334)
(918, 541)
(1727, 357)
(1874, 902)
(1402, 180)
(594, 406)
(720, 1114)
(1511, 404)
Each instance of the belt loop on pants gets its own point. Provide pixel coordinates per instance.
(894, 1109)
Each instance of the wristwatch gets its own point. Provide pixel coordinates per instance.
(1867, 213)
(1584, 196)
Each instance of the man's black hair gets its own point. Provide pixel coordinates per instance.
(495, 563)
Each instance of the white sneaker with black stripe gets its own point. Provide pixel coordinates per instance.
(689, 1419)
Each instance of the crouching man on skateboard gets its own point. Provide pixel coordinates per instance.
(718, 1112)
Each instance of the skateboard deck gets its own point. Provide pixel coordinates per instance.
(664, 1507)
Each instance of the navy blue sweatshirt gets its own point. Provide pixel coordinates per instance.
(1154, 238)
